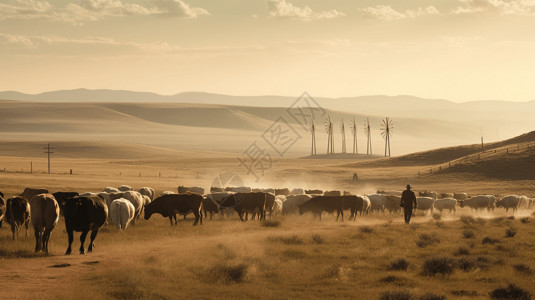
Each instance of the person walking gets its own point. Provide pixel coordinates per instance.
(407, 200)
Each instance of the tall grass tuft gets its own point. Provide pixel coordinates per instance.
(512, 291)
(425, 240)
(438, 266)
(468, 234)
(396, 295)
(228, 273)
(399, 265)
(510, 232)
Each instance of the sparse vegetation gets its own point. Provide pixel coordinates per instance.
(523, 269)
(366, 229)
(467, 220)
(271, 223)
(396, 295)
(464, 293)
(288, 240)
(229, 273)
(431, 296)
(468, 234)
(425, 240)
(462, 251)
(511, 292)
(317, 239)
(489, 240)
(399, 265)
(510, 232)
(525, 220)
(438, 266)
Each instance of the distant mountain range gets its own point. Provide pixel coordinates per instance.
(419, 124)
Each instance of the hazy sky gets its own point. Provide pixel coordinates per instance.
(454, 49)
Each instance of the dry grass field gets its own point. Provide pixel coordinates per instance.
(466, 256)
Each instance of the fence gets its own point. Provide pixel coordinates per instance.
(478, 156)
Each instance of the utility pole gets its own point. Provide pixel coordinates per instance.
(48, 152)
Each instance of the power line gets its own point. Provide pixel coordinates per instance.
(48, 152)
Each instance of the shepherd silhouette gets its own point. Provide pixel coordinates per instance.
(407, 200)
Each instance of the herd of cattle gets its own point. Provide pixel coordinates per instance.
(123, 206)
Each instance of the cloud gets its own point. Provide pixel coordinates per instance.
(500, 7)
(386, 12)
(93, 10)
(283, 9)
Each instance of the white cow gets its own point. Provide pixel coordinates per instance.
(297, 191)
(110, 190)
(366, 204)
(377, 202)
(479, 202)
(425, 203)
(147, 191)
(446, 203)
(125, 188)
(122, 213)
(137, 200)
(277, 207)
(292, 203)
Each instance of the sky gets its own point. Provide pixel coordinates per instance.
(460, 50)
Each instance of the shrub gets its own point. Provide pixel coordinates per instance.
(525, 220)
(317, 239)
(511, 217)
(510, 292)
(468, 234)
(467, 220)
(436, 217)
(523, 268)
(430, 296)
(462, 251)
(465, 264)
(271, 223)
(510, 232)
(425, 240)
(366, 229)
(481, 221)
(490, 241)
(438, 266)
(288, 240)
(464, 293)
(396, 295)
(229, 273)
(399, 265)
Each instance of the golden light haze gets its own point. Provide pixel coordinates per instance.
(458, 50)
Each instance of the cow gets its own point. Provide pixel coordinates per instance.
(390, 192)
(377, 202)
(110, 190)
(319, 204)
(392, 204)
(218, 198)
(460, 196)
(314, 192)
(277, 207)
(283, 191)
(84, 214)
(44, 211)
(428, 194)
(446, 203)
(30, 192)
(445, 195)
(332, 193)
(250, 203)
(239, 189)
(209, 206)
(297, 191)
(366, 205)
(136, 199)
(425, 204)
(479, 202)
(169, 205)
(292, 203)
(511, 201)
(215, 189)
(17, 214)
(191, 189)
(62, 196)
(2, 208)
(146, 199)
(125, 188)
(122, 213)
(147, 191)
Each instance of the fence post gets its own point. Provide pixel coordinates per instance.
(440, 168)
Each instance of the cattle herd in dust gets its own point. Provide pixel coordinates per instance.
(123, 206)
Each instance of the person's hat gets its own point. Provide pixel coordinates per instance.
(409, 186)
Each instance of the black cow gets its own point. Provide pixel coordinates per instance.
(319, 204)
(169, 205)
(83, 214)
(2, 208)
(62, 196)
(314, 192)
(209, 206)
(17, 213)
(250, 203)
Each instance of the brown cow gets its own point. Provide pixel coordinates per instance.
(169, 205)
(209, 206)
(2, 208)
(17, 213)
(250, 203)
(319, 204)
(45, 215)
(29, 193)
